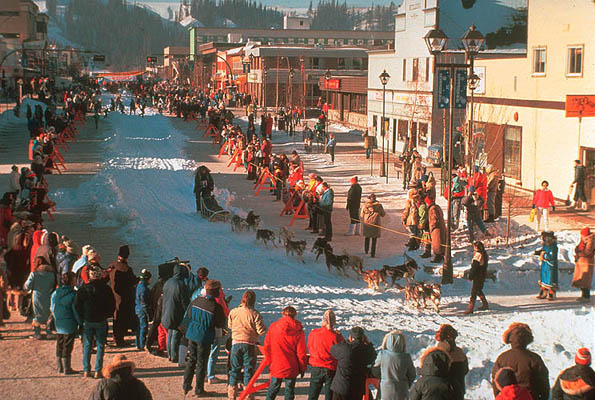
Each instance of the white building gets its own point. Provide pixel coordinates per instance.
(296, 22)
(409, 100)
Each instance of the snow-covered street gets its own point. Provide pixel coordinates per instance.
(145, 191)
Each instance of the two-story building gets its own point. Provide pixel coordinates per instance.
(537, 112)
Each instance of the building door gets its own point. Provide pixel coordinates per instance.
(413, 135)
(588, 159)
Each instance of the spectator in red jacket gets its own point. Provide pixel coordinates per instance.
(285, 349)
(506, 382)
(480, 181)
(542, 199)
(323, 364)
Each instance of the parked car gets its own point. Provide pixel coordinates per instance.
(434, 155)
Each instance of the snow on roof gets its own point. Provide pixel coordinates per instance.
(190, 21)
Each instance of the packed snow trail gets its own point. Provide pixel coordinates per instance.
(146, 189)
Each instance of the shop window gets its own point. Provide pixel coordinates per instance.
(357, 63)
(340, 63)
(512, 151)
(422, 130)
(315, 63)
(357, 103)
(415, 70)
(539, 61)
(402, 128)
(427, 75)
(575, 61)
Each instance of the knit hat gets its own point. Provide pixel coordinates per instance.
(585, 231)
(329, 319)
(353, 180)
(446, 333)
(145, 274)
(583, 356)
(91, 254)
(86, 249)
(118, 362)
(124, 251)
(212, 284)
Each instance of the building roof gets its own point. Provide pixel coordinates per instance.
(264, 51)
(303, 33)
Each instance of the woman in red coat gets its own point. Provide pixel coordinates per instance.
(542, 200)
(285, 349)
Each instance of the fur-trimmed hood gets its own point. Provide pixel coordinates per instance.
(435, 362)
(518, 335)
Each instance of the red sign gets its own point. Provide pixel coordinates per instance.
(332, 84)
(580, 106)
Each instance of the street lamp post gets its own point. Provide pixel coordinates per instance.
(384, 78)
(436, 42)
(265, 72)
(327, 77)
(290, 94)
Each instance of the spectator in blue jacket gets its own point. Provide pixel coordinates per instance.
(326, 210)
(67, 256)
(42, 282)
(203, 315)
(396, 367)
(142, 309)
(67, 321)
(330, 147)
(175, 301)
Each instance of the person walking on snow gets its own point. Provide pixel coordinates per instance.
(583, 267)
(354, 199)
(371, 215)
(246, 326)
(323, 364)
(396, 367)
(477, 275)
(548, 257)
(285, 349)
(542, 200)
(578, 381)
(529, 369)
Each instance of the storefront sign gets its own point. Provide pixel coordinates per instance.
(481, 85)
(443, 88)
(332, 84)
(580, 106)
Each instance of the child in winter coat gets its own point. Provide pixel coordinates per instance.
(577, 382)
(67, 321)
(42, 282)
(142, 309)
(508, 386)
(396, 367)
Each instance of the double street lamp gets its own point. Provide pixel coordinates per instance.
(384, 78)
(436, 42)
(327, 77)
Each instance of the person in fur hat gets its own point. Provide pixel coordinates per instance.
(583, 268)
(506, 382)
(123, 283)
(434, 383)
(529, 369)
(459, 365)
(120, 383)
(577, 382)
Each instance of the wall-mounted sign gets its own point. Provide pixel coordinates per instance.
(580, 105)
(481, 85)
(332, 84)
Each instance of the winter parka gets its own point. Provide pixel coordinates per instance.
(353, 359)
(327, 199)
(530, 370)
(434, 383)
(121, 385)
(583, 268)
(143, 303)
(354, 200)
(320, 341)
(42, 282)
(285, 348)
(65, 261)
(94, 301)
(437, 228)
(514, 392)
(459, 367)
(371, 214)
(575, 383)
(397, 372)
(175, 299)
(203, 315)
(65, 315)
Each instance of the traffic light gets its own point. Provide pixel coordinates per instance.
(467, 4)
(99, 58)
(151, 59)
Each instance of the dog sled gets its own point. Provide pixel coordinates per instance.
(212, 211)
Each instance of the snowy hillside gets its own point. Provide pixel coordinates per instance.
(146, 190)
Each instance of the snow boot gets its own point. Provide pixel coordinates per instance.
(67, 366)
(60, 365)
(37, 332)
(470, 308)
(356, 233)
(438, 258)
(232, 392)
(484, 303)
(551, 295)
(541, 294)
(350, 232)
(427, 253)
